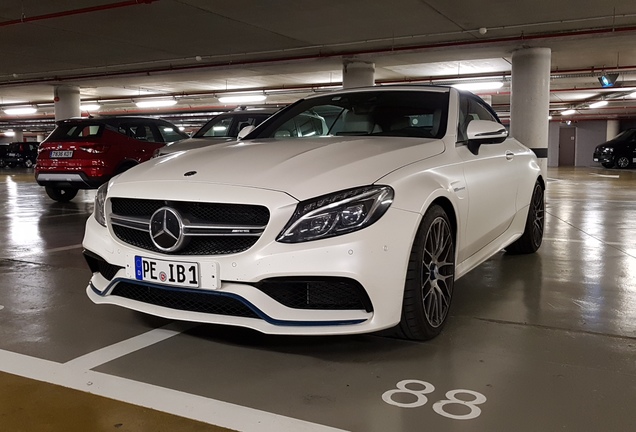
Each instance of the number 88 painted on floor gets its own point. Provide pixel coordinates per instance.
(439, 406)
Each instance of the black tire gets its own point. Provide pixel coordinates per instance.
(622, 162)
(430, 278)
(532, 236)
(61, 194)
(608, 164)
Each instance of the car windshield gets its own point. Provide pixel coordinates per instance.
(229, 125)
(397, 113)
(626, 134)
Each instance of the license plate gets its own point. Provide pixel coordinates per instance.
(61, 153)
(176, 273)
(12, 154)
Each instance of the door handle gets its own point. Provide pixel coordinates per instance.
(509, 155)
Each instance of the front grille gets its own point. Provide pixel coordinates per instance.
(197, 246)
(204, 302)
(319, 293)
(212, 228)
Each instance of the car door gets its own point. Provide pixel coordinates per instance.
(146, 138)
(491, 173)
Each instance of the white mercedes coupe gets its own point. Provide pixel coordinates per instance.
(346, 212)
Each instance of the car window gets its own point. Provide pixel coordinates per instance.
(374, 113)
(170, 133)
(140, 132)
(471, 109)
(229, 125)
(76, 131)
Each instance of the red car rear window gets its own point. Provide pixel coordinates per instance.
(76, 131)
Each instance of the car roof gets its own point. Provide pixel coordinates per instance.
(109, 120)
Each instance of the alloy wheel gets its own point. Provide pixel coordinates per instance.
(438, 270)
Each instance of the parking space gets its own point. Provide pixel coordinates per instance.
(535, 342)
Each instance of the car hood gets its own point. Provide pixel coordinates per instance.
(192, 143)
(302, 168)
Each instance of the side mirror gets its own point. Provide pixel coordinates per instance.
(484, 132)
(245, 131)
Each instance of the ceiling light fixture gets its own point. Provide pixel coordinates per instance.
(156, 103)
(242, 98)
(608, 80)
(9, 133)
(568, 112)
(598, 104)
(90, 107)
(19, 111)
(476, 86)
(633, 95)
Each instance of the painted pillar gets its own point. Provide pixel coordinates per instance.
(67, 102)
(356, 73)
(613, 128)
(19, 135)
(530, 100)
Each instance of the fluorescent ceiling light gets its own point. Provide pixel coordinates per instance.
(18, 111)
(633, 95)
(90, 107)
(475, 86)
(242, 99)
(219, 128)
(568, 112)
(9, 133)
(598, 104)
(156, 103)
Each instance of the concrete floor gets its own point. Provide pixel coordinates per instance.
(545, 342)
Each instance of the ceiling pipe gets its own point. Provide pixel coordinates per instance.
(80, 11)
(524, 38)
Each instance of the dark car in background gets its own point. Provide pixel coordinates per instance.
(619, 151)
(19, 154)
(84, 153)
(221, 128)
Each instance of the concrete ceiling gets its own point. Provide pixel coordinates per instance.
(117, 52)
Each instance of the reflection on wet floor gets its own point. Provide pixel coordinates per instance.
(548, 339)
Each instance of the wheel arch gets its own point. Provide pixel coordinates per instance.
(448, 207)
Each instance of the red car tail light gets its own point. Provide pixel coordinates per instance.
(95, 148)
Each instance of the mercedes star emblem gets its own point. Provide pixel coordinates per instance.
(166, 229)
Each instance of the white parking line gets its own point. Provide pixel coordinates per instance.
(174, 402)
(120, 349)
(76, 374)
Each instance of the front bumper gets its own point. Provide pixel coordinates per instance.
(374, 258)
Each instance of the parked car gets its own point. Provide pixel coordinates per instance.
(4, 147)
(19, 154)
(223, 127)
(619, 151)
(84, 153)
(358, 217)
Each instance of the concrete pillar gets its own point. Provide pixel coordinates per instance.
(530, 100)
(67, 102)
(613, 128)
(356, 73)
(39, 137)
(19, 135)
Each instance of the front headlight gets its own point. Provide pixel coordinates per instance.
(100, 203)
(336, 214)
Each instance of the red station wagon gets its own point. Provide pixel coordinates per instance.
(84, 153)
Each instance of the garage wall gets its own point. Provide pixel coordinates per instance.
(589, 134)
